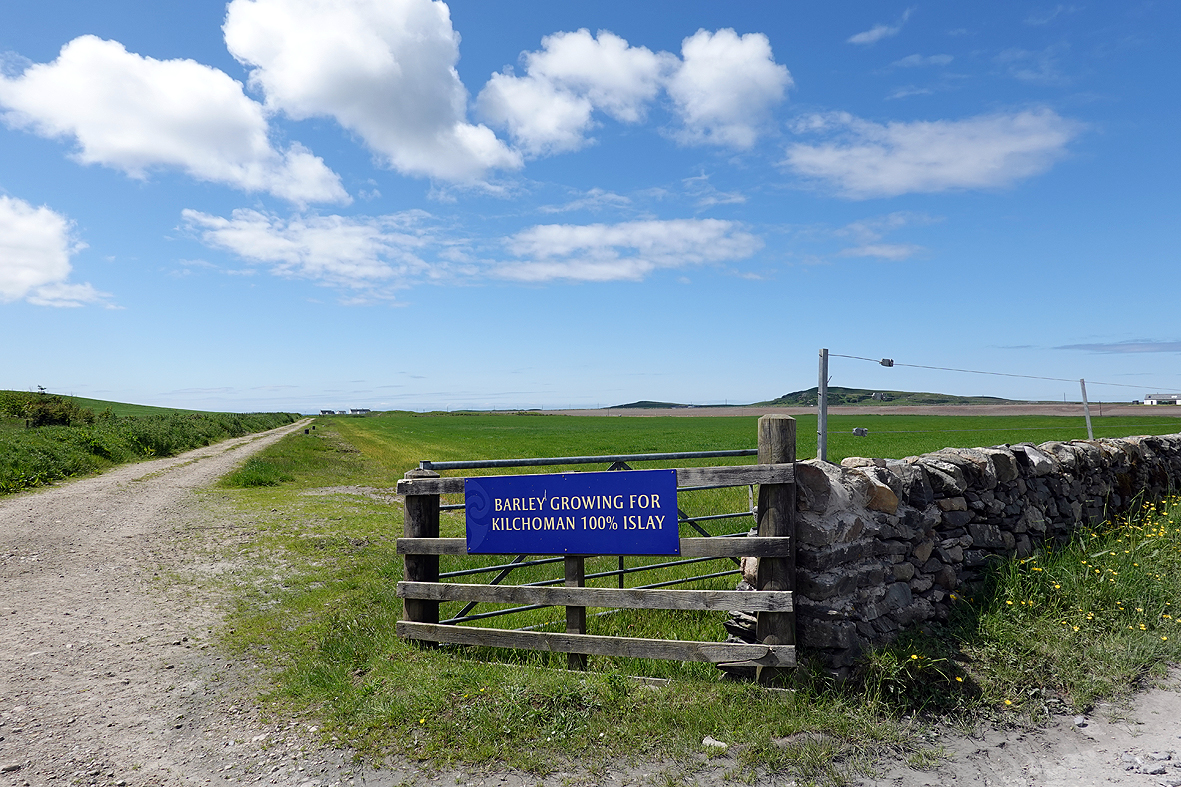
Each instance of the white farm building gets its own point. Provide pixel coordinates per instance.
(1162, 399)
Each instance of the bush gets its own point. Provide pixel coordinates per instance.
(44, 409)
(31, 457)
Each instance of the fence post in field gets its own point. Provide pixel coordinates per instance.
(422, 521)
(1086, 409)
(777, 517)
(575, 566)
(821, 412)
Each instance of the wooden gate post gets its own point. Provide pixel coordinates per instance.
(777, 517)
(575, 566)
(421, 521)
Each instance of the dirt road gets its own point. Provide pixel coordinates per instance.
(104, 678)
(108, 677)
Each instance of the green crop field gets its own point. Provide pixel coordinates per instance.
(312, 524)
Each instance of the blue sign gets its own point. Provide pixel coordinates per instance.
(624, 512)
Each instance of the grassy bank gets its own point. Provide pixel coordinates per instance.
(315, 603)
(46, 438)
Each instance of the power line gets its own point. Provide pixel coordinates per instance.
(882, 361)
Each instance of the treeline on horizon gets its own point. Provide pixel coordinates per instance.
(46, 437)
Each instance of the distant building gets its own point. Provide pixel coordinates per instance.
(880, 397)
(358, 411)
(1162, 399)
(327, 412)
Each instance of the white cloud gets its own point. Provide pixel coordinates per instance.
(895, 252)
(550, 108)
(868, 234)
(916, 60)
(1042, 68)
(726, 87)
(883, 160)
(135, 113)
(910, 90)
(880, 31)
(384, 69)
(627, 251)
(722, 89)
(594, 199)
(338, 250)
(35, 250)
(707, 195)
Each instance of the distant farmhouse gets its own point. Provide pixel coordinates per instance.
(352, 411)
(327, 412)
(358, 410)
(1162, 399)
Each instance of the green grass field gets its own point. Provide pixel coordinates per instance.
(315, 604)
(123, 408)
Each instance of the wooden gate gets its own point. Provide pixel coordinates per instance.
(422, 591)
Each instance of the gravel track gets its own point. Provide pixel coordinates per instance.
(105, 678)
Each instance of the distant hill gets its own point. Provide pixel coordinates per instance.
(644, 404)
(838, 396)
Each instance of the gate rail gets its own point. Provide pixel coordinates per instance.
(422, 592)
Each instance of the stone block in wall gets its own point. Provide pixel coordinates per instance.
(975, 557)
(819, 531)
(826, 558)
(904, 572)
(881, 498)
(1063, 452)
(947, 480)
(980, 471)
(957, 518)
(951, 555)
(986, 536)
(813, 489)
(921, 583)
(1024, 547)
(1003, 462)
(952, 504)
(823, 585)
(898, 595)
(1038, 463)
(830, 634)
(945, 578)
(922, 551)
(914, 485)
(918, 610)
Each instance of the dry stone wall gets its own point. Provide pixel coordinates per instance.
(884, 544)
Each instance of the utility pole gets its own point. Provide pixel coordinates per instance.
(1086, 409)
(822, 408)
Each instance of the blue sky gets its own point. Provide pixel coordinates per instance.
(296, 204)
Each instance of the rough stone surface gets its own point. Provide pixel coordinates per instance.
(884, 544)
